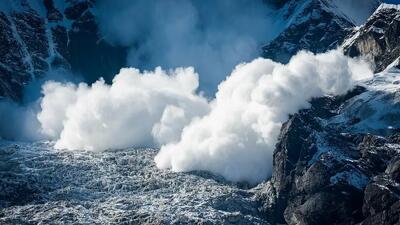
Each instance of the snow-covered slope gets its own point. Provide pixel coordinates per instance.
(339, 161)
(378, 38)
(40, 185)
(335, 163)
(316, 25)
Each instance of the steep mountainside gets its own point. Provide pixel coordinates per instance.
(316, 25)
(36, 38)
(338, 162)
(378, 39)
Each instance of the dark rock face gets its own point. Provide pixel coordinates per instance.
(324, 175)
(36, 42)
(378, 39)
(14, 70)
(314, 28)
(338, 162)
(32, 44)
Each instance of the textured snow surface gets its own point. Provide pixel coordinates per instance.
(41, 185)
(378, 109)
(388, 6)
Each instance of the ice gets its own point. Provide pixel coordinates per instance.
(42, 185)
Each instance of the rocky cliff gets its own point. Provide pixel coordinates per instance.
(338, 162)
(378, 39)
(316, 25)
(38, 38)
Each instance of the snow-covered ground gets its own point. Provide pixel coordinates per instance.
(42, 185)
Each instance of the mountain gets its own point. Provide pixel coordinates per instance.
(38, 36)
(339, 161)
(378, 39)
(316, 25)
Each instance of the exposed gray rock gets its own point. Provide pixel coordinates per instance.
(314, 25)
(32, 43)
(324, 174)
(378, 39)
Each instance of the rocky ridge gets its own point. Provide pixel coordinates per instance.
(338, 162)
(314, 25)
(378, 39)
(37, 38)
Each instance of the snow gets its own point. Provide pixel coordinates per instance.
(351, 40)
(111, 187)
(354, 178)
(393, 67)
(388, 6)
(377, 30)
(378, 109)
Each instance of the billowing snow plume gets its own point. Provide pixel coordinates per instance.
(136, 110)
(212, 36)
(233, 135)
(237, 138)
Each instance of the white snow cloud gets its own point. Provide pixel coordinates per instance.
(138, 109)
(212, 36)
(233, 135)
(237, 138)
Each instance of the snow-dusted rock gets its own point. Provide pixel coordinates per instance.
(316, 25)
(378, 39)
(38, 36)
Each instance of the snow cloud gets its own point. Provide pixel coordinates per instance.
(139, 109)
(233, 135)
(237, 138)
(212, 36)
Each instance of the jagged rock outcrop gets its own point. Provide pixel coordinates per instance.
(314, 25)
(323, 174)
(378, 39)
(338, 162)
(64, 33)
(34, 41)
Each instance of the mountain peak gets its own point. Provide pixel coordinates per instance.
(388, 6)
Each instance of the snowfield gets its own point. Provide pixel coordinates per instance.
(42, 185)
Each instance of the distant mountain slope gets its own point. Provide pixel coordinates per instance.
(37, 36)
(316, 25)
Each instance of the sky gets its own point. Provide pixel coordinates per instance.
(393, 1)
